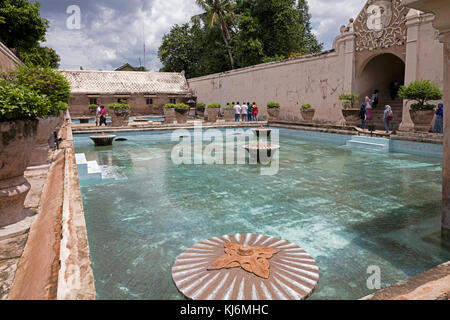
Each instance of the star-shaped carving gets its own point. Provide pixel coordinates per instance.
(251, 259)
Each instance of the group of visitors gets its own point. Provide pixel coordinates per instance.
(371, 104)
(100, 116)
(246, 112)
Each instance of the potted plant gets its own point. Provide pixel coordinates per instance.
(350, 113)
(201, 109)
(169, 113)
(20, 108)
(273, 109)
(120, 114)
(422, 112)
(181, 113)
(308, 112)
(229, 113)
(48, 82)
(213, 112)
(92, 108)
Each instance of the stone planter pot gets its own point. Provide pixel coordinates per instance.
(351, 116)
(120, 117)
(16, 145)
(181, 115)
(422, 119)
(201, 112)
(169, 115)
(274, 113)
(229, 114)
(213, 114)
(308, 115)
(42, 141)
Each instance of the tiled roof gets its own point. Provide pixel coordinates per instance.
(4, 49)
(126, 82)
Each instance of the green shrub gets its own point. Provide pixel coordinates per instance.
(170, 106)
(422, 92)
(348, 99)
(19, 102)
(214, 106)
(44, 81)
(182, 106)
(92, 107)
(306, 106)
(229, 106)
(273, 105)
(119, 106)
(201, 106)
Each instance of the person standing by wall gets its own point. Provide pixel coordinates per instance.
(103, 116)
(368, 103)
(250, 112)
(255, 112)
(97, 115)
(244, 112)
(439, 122)
(237, 115)
(375, 97)
(387, 117)
(362, 116)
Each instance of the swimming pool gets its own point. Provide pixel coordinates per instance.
(349, 209)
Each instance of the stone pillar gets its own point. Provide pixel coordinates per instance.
(445, 38)
(412, 25)
(441, 10)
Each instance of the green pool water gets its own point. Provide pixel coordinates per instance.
(349, 209)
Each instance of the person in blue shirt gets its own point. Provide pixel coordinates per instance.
(439, 123)
(250, 111)
(363, 116)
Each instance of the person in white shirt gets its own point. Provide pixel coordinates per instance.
(97, 116)
(237, 115)
(244, 112)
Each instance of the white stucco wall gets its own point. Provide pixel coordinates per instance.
(316, 79)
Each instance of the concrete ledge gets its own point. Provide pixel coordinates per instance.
(430, 285)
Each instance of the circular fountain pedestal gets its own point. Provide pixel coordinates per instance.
(262, 132)
(103, 140)
(245, 267)
(263, 152)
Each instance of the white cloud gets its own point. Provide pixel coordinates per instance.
(112, 30)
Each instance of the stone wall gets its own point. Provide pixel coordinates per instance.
(315, 79)
(8, 61)
(79, 103)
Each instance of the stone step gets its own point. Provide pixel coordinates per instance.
(375, 144)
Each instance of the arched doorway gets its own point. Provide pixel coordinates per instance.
(379, 72)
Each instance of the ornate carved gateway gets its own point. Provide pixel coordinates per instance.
(380, 25)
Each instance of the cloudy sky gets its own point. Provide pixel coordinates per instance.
(109, 33)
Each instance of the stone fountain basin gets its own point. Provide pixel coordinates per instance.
(264, 152)
(103, 140)
(259, 132)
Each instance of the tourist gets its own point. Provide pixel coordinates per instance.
(255, 112)
(362, 116)
(394, 88)
(250, 112)
(375, 97)
(368, 103)
(103, 116)
(237, 115)
(387, 117)
(439, 123)
(97, 115)
(244, 112)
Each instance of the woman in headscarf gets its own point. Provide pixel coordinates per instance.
(439, 123)
(387, 117)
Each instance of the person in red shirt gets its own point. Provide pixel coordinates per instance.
(255, 112)
(103, 116)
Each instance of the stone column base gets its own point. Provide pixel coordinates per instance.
(12, 197)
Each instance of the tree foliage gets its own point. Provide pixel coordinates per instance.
(239, 33)
(421, 91)
(23, 28)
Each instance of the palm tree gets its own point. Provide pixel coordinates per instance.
(218, 12)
